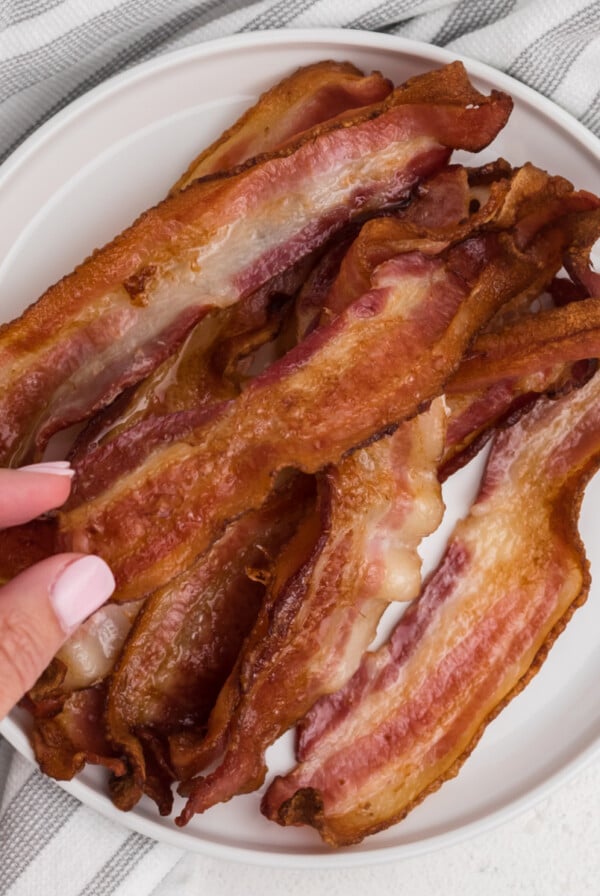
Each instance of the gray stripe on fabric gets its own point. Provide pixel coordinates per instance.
(25, 832)
(469, 16)
(278, 15)
(137, 51)
(21, 10)
(120, 864)
(544, 63)
(38, 64)
(29, 68)
(385, 15)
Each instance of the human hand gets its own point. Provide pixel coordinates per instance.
(41, 606)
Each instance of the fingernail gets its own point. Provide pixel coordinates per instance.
(82, 587)
(56, 467)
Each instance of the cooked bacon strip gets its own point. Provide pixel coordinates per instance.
(374, 509)
(311, 95)
(189, 378)
(187, 638)
(506, 587)
(204, 370)
(66, 741)
(439, 206)
(119, 314)
(507, 369)
(375, 364)
(22, 546)
(555, 336)
(193, 376)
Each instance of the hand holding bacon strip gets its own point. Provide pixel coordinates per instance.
(201, 373)
(507, 585)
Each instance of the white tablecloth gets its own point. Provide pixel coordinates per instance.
(52, 51)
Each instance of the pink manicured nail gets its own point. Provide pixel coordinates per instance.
(82, 587)
(56, 467)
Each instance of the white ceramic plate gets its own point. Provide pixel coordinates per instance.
(84, 176)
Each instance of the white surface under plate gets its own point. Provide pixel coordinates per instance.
(84, 176)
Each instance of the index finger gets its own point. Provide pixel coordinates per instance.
(28, 491)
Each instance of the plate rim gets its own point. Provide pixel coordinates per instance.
(372, 41)
(355, 37)
(340, 858)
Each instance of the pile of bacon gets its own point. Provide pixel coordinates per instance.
(278, 365)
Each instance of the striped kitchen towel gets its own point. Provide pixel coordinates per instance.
(52, 51)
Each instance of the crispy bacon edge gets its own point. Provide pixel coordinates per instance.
(311, 95)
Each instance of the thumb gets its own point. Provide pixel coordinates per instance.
(38, 611)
